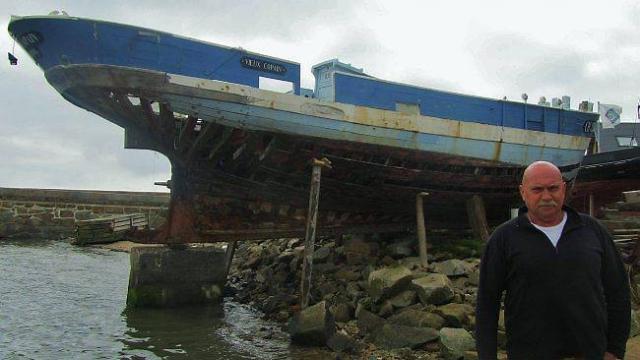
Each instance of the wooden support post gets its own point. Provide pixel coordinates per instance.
(592, 205)
(478, 217)
(310, 234)
(422, 231)
(228, 257)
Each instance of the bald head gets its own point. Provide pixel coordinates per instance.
(539, 168)
(543, 191)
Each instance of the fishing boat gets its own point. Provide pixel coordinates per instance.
(240, 154)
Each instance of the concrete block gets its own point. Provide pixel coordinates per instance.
(632, 196)
(313, 326)
(169, 277)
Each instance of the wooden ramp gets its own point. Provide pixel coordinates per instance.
(108, 229)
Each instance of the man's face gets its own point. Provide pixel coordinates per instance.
(543, 192)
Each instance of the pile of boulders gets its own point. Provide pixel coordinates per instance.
(367, 296)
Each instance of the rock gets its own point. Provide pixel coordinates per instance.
(285, 257)
(272, 303)
(342, 312)
(474, 278)
(341, 342)
(417, 318)
(635, 324)
(433, 289)
(357, 251)
(386, 309)
(410, 263)
(368, 321)
(388, 281)
(326, 287)
(264, 275)
(321, 254)
(35, 221)
(325, 268)
(456, 315)
(348, 274)
(470, 355)
(392, 336)
(295, 264)
(455, 342)
(403, 299)
(419, 273)
(459, 283)
(387, 261)
(453, 267)
(281, 316)
(312, 326)
(293, 243)
(6, 215)
(353, 291)
(401, 249)
(253, 261)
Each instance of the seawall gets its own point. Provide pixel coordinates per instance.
(52, 213)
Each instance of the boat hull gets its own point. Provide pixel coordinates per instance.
(241, 156)
(241, 180)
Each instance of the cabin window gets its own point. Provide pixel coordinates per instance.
(411, 109)
(275, 85)
(627, 141)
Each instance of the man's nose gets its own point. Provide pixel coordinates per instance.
(546, 194)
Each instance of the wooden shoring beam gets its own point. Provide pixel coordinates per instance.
(205, 135)
(167, 120)
(149, 115)
(310, 232)
(421, 230)
(254, 164)
(220, 141)
(478, 217)
(228, 258)
(126, 104)
(185, 133)
(245, 155)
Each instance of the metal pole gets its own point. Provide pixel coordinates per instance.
(310, 235)
(592, 205)
(422, 232)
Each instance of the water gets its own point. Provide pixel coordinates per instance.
(58, 301)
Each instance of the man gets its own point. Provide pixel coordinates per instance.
(566, 289)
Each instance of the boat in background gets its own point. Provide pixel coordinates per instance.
(240, 155)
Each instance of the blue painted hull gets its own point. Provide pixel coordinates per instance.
(53, 41)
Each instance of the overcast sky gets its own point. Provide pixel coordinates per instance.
(589, 50)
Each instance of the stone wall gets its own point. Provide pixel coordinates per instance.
(51, 214)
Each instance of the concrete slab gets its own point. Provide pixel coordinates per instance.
(168, 277)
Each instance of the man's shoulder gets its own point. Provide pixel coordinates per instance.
(505, 229)
(587, 219)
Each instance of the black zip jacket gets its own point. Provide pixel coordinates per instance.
(572, 299)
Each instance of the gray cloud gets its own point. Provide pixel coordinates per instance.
(47, 142)
(523, 63)
(599, 72)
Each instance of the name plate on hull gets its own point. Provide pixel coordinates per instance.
(257, 64)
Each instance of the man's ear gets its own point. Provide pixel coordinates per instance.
(521, 191)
